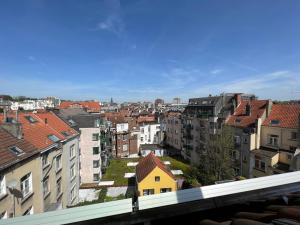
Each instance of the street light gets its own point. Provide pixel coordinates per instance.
(14, 192)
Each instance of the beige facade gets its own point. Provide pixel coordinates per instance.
(15, 176)
(173, 130)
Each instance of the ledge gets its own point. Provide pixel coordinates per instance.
(3, 196)
(26, 197)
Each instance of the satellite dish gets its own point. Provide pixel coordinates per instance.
(15, 192)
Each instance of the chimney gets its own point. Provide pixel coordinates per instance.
(4, 115)
(248, 109)
(14, 129)
(269, 107)
(238, 99)
(46, 121)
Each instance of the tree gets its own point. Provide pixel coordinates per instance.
(216, 161)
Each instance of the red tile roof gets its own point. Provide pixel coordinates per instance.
(37, 133)
(7, 157)
(146, 119)
(148, 164)
(89, 105)
(257, 108)
(286, 114)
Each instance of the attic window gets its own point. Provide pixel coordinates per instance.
(65, 133)
(72, 122)
(237, 120)
(53, 138)
(16, 150)
(30, 119)
(274, 122)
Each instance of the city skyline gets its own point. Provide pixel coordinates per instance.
(143, 50)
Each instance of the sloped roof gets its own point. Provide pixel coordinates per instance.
(286, 114)
(146, 119)
(257, 108)
(37, 132)
(90, 105)
(148, 164)
(7, 157)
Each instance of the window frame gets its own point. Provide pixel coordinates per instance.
(26, 187)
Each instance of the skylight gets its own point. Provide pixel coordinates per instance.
(65, 133)
(17, 151)
(53, 138)
(72, 122)
(30, 119)
(274, 122)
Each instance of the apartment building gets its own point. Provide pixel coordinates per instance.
(20, 173)
(279, 141)
(246, 123)
(149, 133)
(201, 120)
(153, 177)
(94, 144)
(172, 130)
(57, 168)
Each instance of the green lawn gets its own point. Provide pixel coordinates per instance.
(118, 168)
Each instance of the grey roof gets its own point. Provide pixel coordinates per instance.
(205, 101)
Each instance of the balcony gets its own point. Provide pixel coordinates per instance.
(167, 205)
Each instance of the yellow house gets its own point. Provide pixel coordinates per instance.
(153, 177)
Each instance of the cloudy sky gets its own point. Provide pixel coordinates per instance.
(144, 49)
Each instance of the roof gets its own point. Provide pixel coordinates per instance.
(148, 164)
(257, 109)
(45, 124)
(211, 100)
(7, 157)
(287, 116)
(91, 106)
(146, 119)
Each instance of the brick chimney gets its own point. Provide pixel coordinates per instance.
(269, 107)
(13, 127)
(248, 109)
(238, 98)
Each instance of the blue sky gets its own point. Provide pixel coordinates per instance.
(143, 49)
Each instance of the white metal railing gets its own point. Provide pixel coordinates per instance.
(115, 208)
(218, 190)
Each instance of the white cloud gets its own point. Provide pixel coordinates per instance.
(216, 71)
(31, 58)
(180, 77)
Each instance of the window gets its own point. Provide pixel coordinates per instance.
(245, 140)
(237, 140)
(274, 122)
(125, 148)
(164, 190)
(142, 130)
(58, 163)
(46, 189)
(95, 163)
(95, 137)
(29, 211)
(289, 156)
(95, 150)
(259, 164)
(73, 194)
(273, 140)
(17, 151)
(72, 151)
(157, 127)
(65, 133)
(45, 160)
(293, 135)
(148, 191)
(26, 185)
(157, 179)
(53, 138)
(58, 187)
(124, 137)
(2, 185)
(30, 119)
(72, 171)
(142, 138)
(3, 215)
(292, 148)
(96, 177)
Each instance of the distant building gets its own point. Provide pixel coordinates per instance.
(153, 177)
(158, 102)
(176, 101)
(89, 106)
(173, 126)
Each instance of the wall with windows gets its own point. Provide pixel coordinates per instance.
(70, 173)
(27, 176)
(156, 182)
(90, 151)
(149, 133)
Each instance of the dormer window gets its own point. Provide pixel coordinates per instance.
(30, 119)
(65, 133)
(72, 122)
(53, 138)
(274, 122)
(17, 151)
(238, 120)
